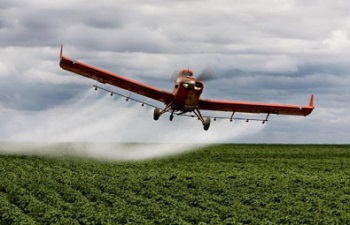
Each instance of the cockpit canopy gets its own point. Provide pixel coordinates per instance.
(186, 73)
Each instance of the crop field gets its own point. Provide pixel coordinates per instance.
(220, 184)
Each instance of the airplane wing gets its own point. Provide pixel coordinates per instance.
(256, 107)
(104, 76)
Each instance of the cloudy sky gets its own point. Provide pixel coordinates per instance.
(278, 51)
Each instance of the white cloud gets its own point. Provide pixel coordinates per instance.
(338, 41)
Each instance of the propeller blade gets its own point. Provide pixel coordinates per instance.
(206, 74)
(173, 74)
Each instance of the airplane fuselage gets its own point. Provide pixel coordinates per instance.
(187, 92)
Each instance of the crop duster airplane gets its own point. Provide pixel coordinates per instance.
(185, 97)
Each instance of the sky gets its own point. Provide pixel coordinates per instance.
(274, 51)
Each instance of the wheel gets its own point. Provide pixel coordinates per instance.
(156, 113)
(206, 124)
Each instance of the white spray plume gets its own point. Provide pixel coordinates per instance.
(94, 124)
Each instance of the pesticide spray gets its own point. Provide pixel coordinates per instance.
(99, 126)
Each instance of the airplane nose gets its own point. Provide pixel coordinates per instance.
(191, 84)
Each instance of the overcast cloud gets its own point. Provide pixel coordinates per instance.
(278, 51)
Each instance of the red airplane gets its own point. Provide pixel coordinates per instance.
(185, 96)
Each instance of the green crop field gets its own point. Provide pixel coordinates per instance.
(221, 184)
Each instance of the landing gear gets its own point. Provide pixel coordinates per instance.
(206, 124)
(156, 113)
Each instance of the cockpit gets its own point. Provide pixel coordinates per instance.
(186, 73)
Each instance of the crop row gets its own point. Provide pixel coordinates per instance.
(230, 184)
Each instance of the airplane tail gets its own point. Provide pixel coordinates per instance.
(311, 103)
(61, 51)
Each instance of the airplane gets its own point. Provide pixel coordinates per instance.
(185, 97)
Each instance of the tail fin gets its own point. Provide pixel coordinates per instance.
(61, 51)
(311, 103)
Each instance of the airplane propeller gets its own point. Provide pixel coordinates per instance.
(206, 75)
(173, 74)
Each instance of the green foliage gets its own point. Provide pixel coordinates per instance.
(221, 184)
